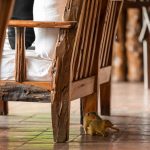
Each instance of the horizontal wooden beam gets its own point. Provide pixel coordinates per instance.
(82, 88)
(133, 4)
(19, 92)
(41, 24)
(104, 75)
(46, 85)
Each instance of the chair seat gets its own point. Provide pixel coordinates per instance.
(27, 91)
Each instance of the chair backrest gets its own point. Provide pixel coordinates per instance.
(94, 37)
(77, 57)
(108, 33)
(86, 39)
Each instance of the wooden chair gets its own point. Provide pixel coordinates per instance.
(6, 7)
(82, 65)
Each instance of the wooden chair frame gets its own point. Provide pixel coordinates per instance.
(82, 66)
(6, 8)
(136, 3)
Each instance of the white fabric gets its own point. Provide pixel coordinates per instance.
(38, 69)
(47, 10)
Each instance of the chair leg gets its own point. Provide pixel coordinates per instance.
(6, 7)
(60, 120)
(3, 108)
(88, 104)
(60, 104)
(105, 92)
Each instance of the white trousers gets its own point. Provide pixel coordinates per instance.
(45, 39)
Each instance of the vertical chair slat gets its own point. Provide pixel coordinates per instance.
(109, 33)
(81, 48)
(92, 38)
(85, 45)
(108, 24)
(104, 35)
(113, 27)
(20, 71)
(98, 32)
(110, 29)
(77, 40)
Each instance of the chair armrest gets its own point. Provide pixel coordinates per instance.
(41, 24)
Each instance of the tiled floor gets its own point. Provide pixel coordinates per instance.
(28, 126)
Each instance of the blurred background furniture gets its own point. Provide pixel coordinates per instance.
(128, 50)
(144, 38)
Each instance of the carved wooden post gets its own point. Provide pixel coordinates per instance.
(6, 7)
(61, 99)
(133, 46)
(119, 55)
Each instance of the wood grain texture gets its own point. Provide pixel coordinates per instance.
(136, 4)
(105, 55)
(61, 100)
(20, 68)
(105, 102)
(72, 70)
(89, 103)
(6, 7)
(104, 75)
(3, 107)
(82, 88)
(19, 92)
(41, 24)
(46, 85)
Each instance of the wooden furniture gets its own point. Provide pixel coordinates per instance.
(6, 7)
(82, 64)
(136, 3)
(145, 39)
